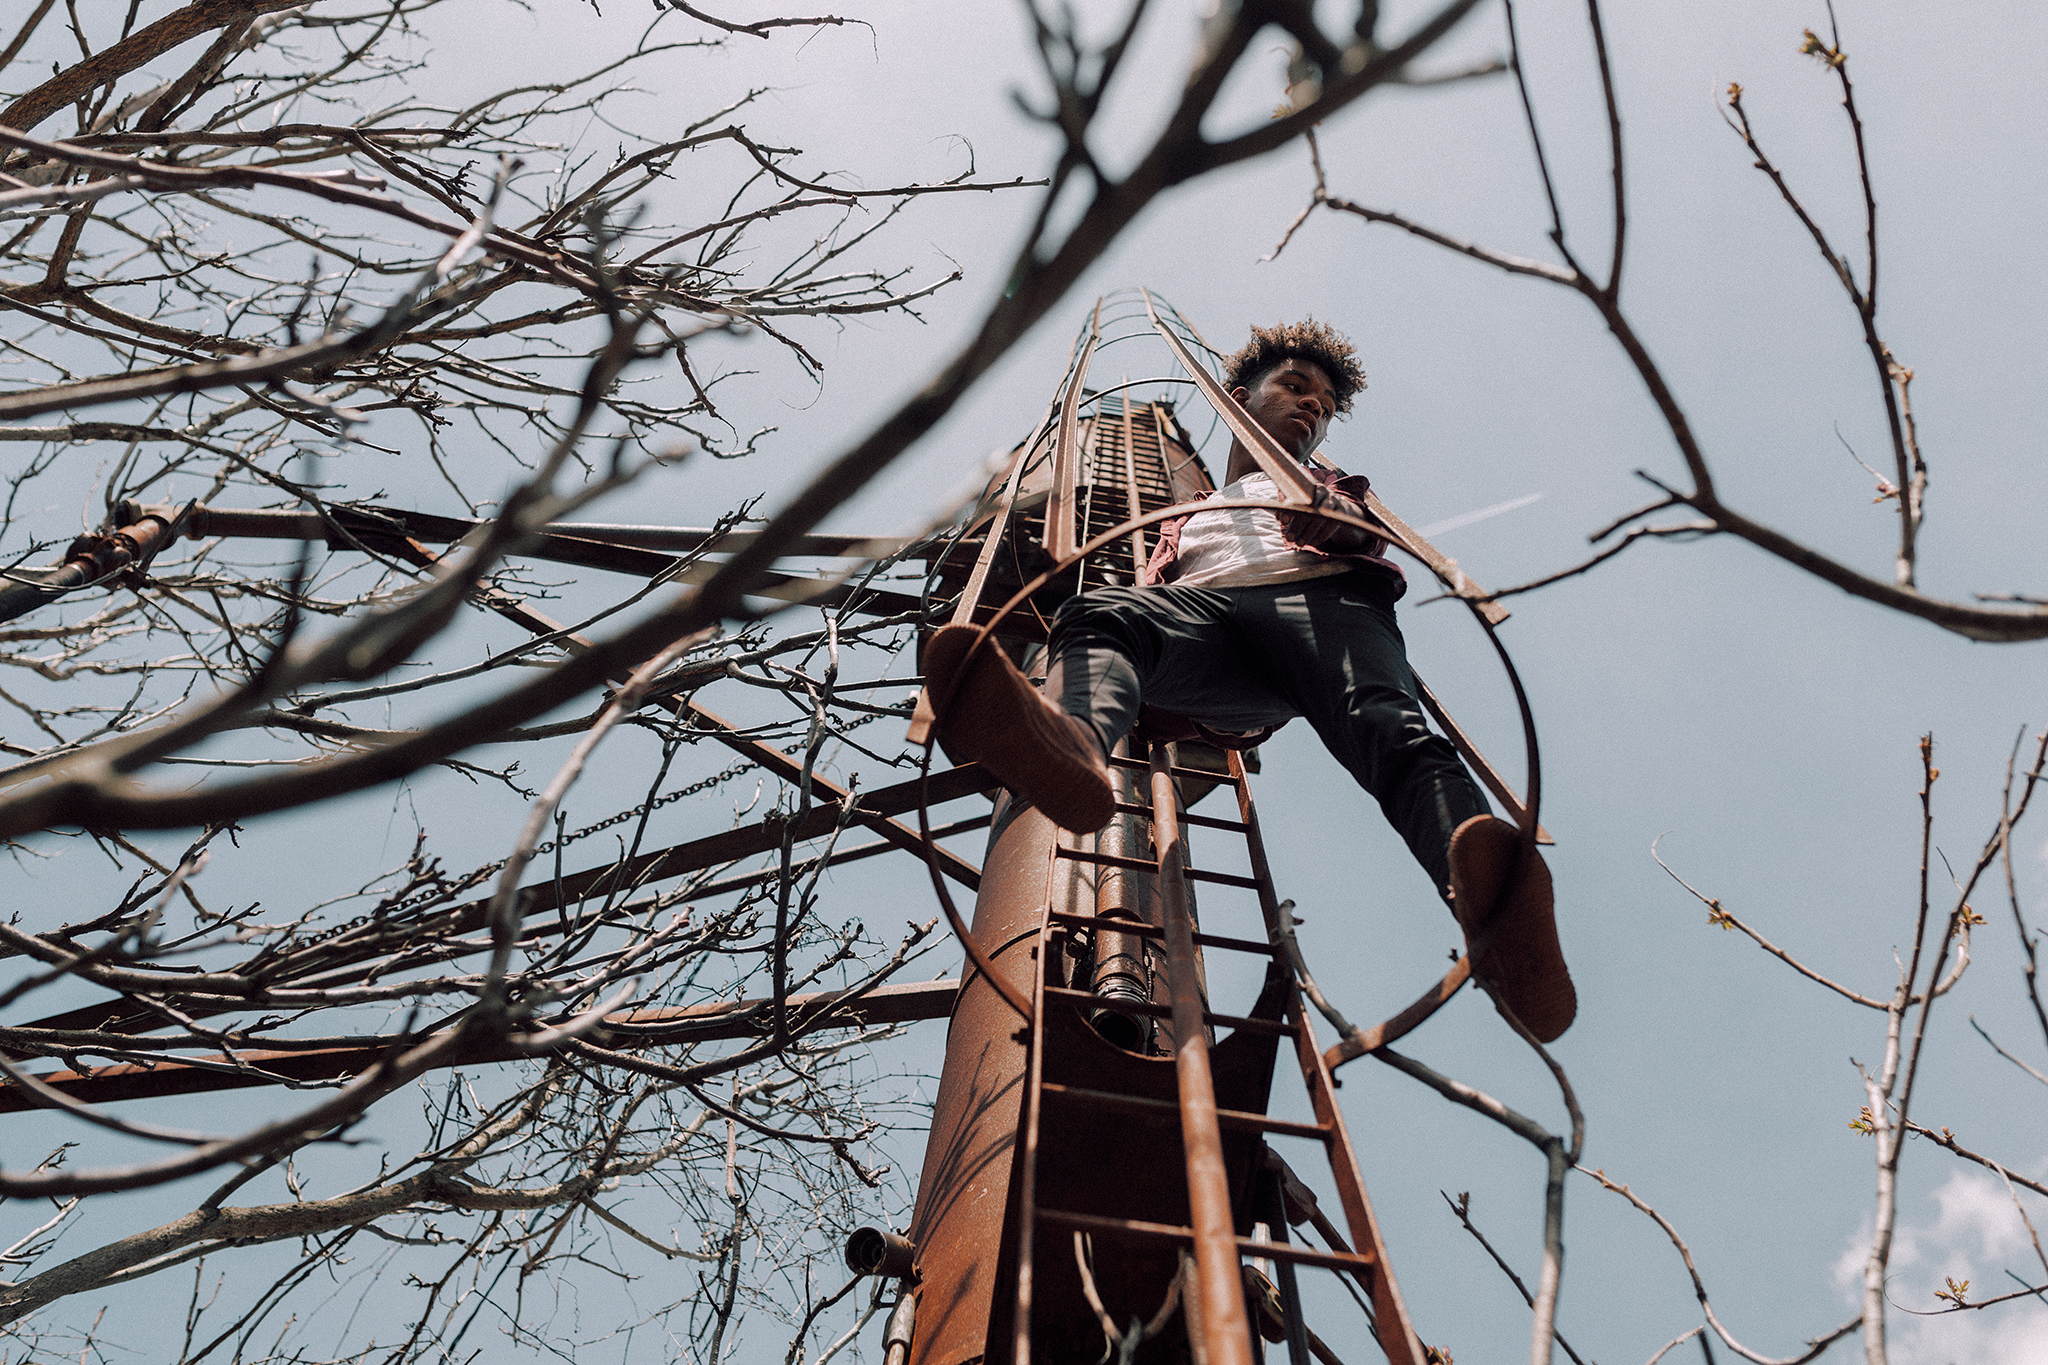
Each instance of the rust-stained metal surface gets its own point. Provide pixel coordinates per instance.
(94, 556)
(1126, 454)
(1083, 1149)
(1060, 1168)
(609, 547)
(179, 1075)
(964, 1191)
(1221, 1316)
(1094, 1160)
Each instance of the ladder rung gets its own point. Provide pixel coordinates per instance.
(1225, 879)
(1272, 1251)
(1195, 774)
(1187, 817)
(1111, 924)
(1235, 1021)
(1227, 1118)
(1146, 865)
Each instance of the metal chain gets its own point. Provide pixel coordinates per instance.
(426, 898)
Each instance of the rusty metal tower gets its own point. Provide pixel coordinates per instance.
(1102, 1167)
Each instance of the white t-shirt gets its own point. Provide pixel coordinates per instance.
(1241, 547)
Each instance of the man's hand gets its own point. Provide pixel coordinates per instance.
(1331, 537)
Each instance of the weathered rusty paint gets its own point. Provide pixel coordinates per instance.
(1066, 455)
(964, 1193)
(1397, 1335)
(1225, 1330)
(1023, 1220)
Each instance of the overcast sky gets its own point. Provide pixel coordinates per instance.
(1760, 721)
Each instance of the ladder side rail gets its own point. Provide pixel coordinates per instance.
(1396, 1332)
(1131, 488)
(970, 596)
(1469, 751)
(1034, 1082)
(1442, 565)
(1059, 512)
(923, 717)
(1218, 1281)
(1087, 443)
(1154, 467)
(1295, 486)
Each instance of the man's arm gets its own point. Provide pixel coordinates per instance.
(1346, 494)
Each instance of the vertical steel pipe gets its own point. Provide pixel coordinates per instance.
(1225, 1329)
(963, 1195)
(1121, 972)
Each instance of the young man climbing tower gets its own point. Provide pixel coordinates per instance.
(1243, 620)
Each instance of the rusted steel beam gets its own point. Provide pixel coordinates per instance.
(93, 557)
(1218, 1283)
(886, 1004)
(574, 887)
(613, 549)
(1293, 483)
(1442, 565)
(790, 770)
(290, 524)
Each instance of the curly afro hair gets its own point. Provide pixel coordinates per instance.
(1318, 342)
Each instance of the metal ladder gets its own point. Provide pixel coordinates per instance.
(1212, 1284)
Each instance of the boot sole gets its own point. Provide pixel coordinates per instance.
(1520, 954)
(995, 717)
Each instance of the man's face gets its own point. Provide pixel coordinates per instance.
(1294, 402)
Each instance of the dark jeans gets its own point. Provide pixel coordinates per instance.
(1243, 659)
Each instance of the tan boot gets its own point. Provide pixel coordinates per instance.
(1516, 949)
(994, 716)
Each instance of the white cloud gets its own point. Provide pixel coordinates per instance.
(1975, 1234)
